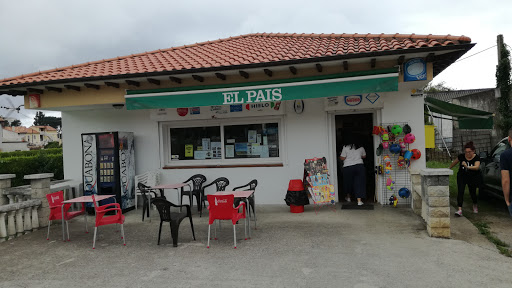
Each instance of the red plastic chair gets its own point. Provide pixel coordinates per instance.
(55, 200)
(221, 208)
(102, 219)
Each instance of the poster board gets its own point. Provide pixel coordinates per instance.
(318, 183)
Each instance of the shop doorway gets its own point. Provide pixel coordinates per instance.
(360, 125)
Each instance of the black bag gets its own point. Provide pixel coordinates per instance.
(297, 198)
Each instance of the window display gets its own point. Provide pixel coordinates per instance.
(195, 143)
(252, 140)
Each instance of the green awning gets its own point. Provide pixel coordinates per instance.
(468, 118)
(289, 89)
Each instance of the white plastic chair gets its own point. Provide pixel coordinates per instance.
(150, 178)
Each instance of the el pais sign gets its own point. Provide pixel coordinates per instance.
(264, 93)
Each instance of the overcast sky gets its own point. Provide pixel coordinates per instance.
(39, 35)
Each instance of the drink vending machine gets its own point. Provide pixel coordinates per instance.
(108, 166)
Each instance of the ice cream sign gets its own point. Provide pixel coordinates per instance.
(252, 96)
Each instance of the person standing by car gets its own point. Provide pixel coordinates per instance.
(506, 172)
(469, 174)
(354, 177)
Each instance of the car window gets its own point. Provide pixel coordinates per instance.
(498, 150)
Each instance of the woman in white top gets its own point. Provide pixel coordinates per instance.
(354, 179)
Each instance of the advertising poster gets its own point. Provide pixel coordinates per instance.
(189, 150)
(241, 149)
(317, 176)
(230, 151)
(251, 135)
(216, 150)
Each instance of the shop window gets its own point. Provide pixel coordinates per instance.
(228, 142)
(195, 143)
(251, 141)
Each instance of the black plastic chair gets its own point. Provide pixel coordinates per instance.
(174, 218)
(249, 186)
(146, 191)
(197, 190)
(221, 183)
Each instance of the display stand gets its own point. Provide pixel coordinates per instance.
(394, 176)
(318, 184)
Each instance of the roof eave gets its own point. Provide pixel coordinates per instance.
(459, 50)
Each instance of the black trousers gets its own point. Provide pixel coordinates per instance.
(354, 180)
(472, 182)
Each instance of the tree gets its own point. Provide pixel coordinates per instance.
(504, 123)
(38, 119)
(41, 120)
(435, 88)
(15, 123)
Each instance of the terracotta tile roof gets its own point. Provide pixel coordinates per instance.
(46, 128)
(245, 49)
(22, 130)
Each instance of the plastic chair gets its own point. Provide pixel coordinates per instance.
(220, 183)
(174, 218)
(55, 201)
(249, 186)
(102, 219)
(221, 208)
(150, 178)
(145, 192)
(197, 190)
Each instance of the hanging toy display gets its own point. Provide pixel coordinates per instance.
(387, 165)
(377, 130)
(396, 130)
(390, 184)
(409, 138)
(402, 145)
(394, 148)
(393, 200)
(407, 129)
(404, 192)
(416, 154)
(407, 157)
(400, 162)
(385, 139)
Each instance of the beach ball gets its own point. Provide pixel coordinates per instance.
(404, 193)
(396, 129)
(394, 148)
(409, 138)
(416, 154)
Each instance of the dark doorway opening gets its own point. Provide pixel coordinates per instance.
(362, 125)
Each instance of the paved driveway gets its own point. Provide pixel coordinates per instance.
(386, 247)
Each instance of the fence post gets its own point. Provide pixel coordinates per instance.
(35, 219)
(5, 182)
(3, 231)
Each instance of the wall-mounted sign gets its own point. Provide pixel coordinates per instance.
(182, 111)
(353, 100)
(34, 100)
(195, 110)
(372, 97)
(415, 70)
(236, 108)
(298, 106)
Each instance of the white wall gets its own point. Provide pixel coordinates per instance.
(306, 136)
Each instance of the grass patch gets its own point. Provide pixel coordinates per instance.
(484, 229)
(485, 207)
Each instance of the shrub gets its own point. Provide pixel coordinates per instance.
(33, 162)
(52, 145)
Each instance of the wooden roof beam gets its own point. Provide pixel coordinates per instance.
(268, 72)
(112, 84)
(198, 78)
(373, 61)
(72, 87)
(221, 76)
(430, 57)
(319, 67)
(293, 70)
(345, 65)
(175, 79)
(92, 86)
(34, 90)
(55, 89)
(400, 60)
(133, 83)
(244, 74)
(154, 81)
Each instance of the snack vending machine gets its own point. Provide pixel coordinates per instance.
(108, 167)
